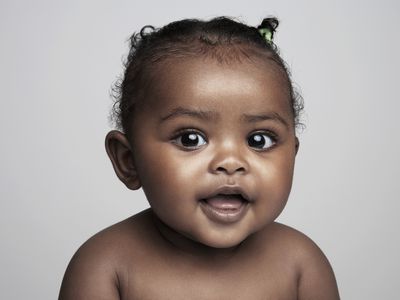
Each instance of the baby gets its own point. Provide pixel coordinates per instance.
(208, 118)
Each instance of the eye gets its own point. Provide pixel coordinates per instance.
(190, 140)
(261, 141)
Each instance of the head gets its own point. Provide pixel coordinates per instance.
(208, 117)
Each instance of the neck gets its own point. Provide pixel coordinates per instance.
(187, 246)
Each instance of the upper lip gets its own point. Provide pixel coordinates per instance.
(229, 190)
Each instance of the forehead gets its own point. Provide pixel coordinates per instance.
(223, 87)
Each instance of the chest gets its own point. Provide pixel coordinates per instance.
(165, 280)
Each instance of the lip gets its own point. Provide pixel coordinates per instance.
(226, 213)
(229, 190)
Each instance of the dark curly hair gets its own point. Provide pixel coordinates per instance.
(222, 38)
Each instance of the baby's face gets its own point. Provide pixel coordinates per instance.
(214, 148)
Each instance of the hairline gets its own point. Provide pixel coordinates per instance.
(257, 55)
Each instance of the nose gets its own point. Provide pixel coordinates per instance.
(229, 160)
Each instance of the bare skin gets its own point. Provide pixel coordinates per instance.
(132, 260)
(213, 147)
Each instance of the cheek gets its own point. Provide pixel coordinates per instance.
(275, 181)
(167, 174)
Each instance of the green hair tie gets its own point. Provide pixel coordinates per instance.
(267, 34)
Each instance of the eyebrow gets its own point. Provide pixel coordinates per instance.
(196, 113)
(209, 115)
(265, 116)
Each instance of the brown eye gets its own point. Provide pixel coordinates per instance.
(260, 141)
(190, 140)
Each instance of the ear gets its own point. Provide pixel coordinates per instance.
(297, 145)
(120, 153)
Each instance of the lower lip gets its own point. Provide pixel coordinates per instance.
(224, 215)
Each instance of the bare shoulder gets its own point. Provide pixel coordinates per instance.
(316, 279)
(93, 272)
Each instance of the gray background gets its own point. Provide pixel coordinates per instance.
(58, 60)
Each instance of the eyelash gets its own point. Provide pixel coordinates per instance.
(271, 135)
(179, 134)
(182, 132)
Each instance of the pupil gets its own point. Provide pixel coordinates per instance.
(256, 141)
(190, 139)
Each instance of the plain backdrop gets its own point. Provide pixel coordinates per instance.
(58, 60)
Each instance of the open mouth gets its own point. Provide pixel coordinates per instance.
(226, 202)
(225, 208)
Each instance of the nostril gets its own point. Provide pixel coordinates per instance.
(228, 165)
(228, 170)
(241, 169)
(221, 169)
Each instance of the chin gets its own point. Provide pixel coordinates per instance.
(223, 241)
(225, 245)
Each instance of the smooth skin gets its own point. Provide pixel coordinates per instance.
(205, 125)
